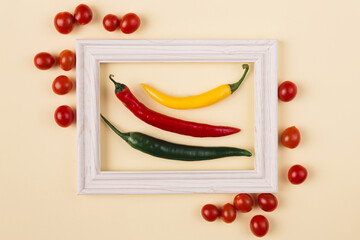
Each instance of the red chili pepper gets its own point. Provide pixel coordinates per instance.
(165, 122)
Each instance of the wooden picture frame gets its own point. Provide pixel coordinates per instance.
(91, 180)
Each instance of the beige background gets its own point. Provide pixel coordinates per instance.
(318, 49)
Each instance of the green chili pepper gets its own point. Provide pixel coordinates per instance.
(163, 149)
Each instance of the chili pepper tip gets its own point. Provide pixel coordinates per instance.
(248, 154)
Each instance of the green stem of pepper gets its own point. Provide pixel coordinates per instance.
(124, 136)
(118, 86)
(235, 86)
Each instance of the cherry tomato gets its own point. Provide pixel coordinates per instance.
(64, 22)
(83, 14)
(44, 60)
(228, 213)
(64, 116)
(111, 22)
(243, 202)
(62, 85)
(259, 225)
(287, 91)
(290, 138)
(267, 202)
(297, 174)
(67, 60)
(210, 212)
(129, 23)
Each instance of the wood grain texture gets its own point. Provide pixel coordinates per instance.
(91, 180)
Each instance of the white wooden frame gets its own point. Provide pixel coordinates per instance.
(91, 180)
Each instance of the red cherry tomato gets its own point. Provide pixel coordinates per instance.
(111, 22)
(64, 22)
(228, 213)
(290, 138)
(287, 91)
(83, 14)
(64, 116)
(243, 202)
(129, 23)
(62, 85)
(67, 60)
(259, 225)
(210, 212)
(44, 60)
(297, 174)
(267, 202)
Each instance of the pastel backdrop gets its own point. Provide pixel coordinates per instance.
(318, 50)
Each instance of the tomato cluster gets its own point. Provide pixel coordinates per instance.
(64, 23)
(243, 203)
(45, 60)
(129, 23)
(64, 115)
(291, 137)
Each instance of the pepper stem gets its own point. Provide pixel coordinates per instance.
(124, 136)
(118, 86)
(111, 78)
(235, 86)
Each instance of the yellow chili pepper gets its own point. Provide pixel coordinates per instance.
(196, 101)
